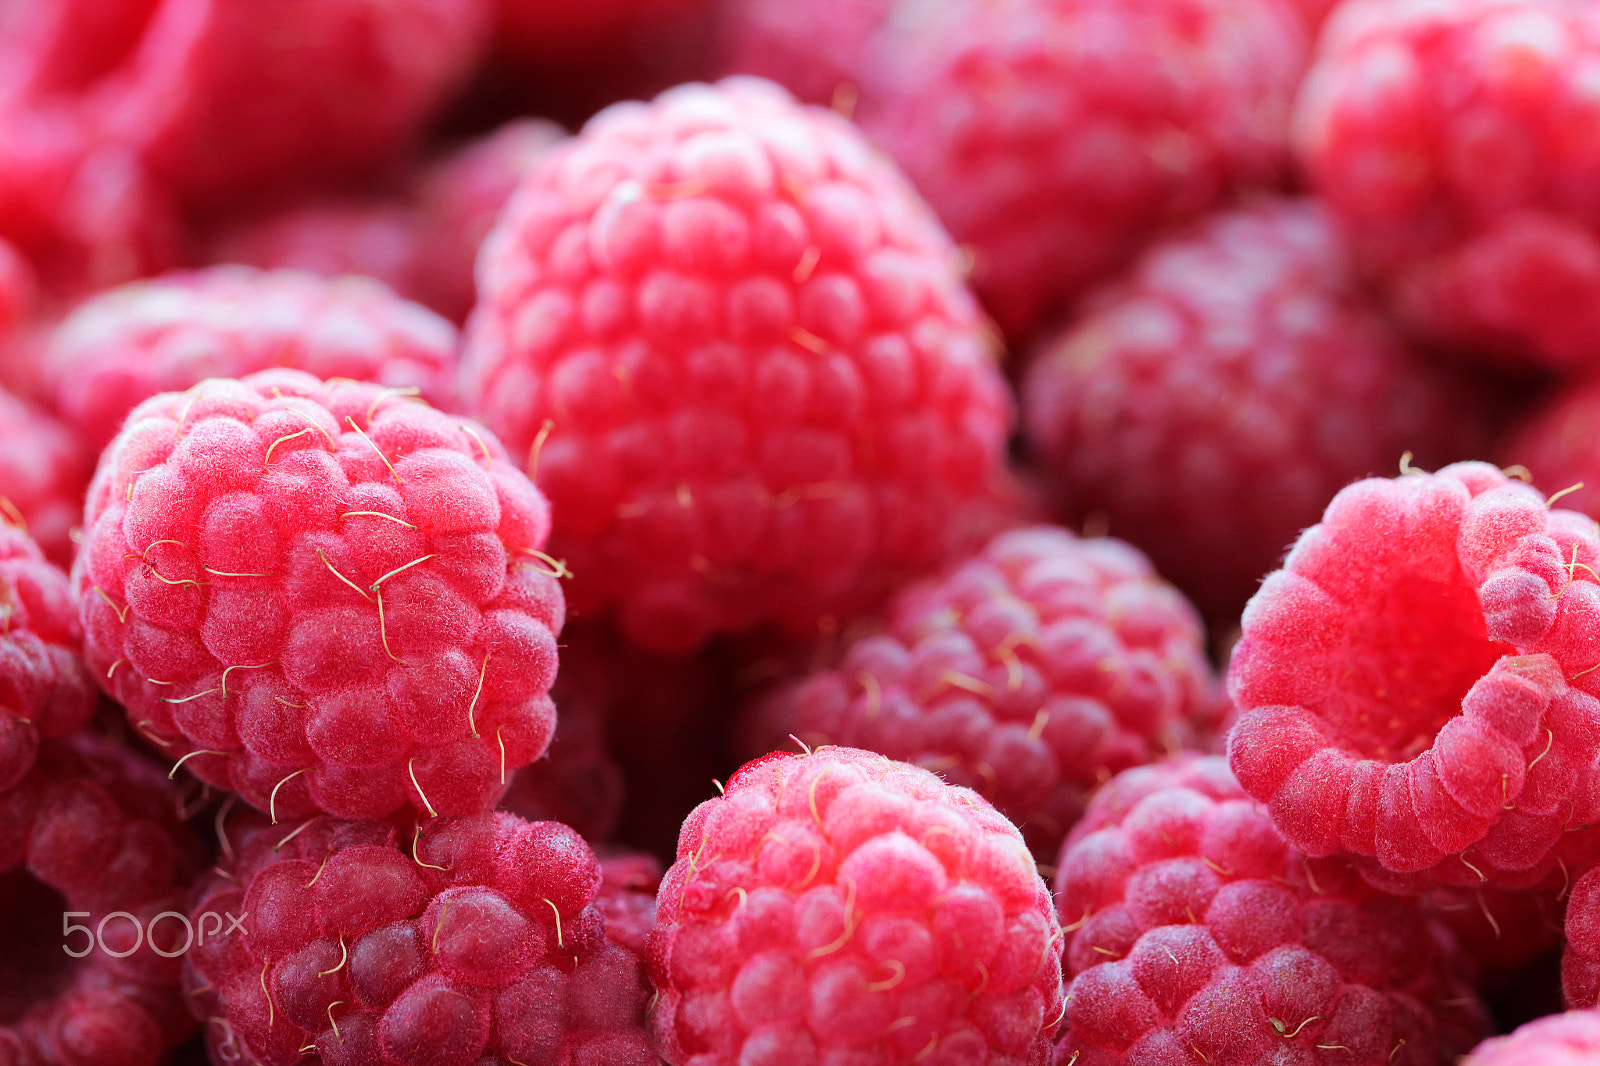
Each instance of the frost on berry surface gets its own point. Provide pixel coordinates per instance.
(1569, 1039)
(1054, 137)
(1416, 685)
(468, 939)
(769, 395)
(323, 596)
(45, 692)
(1197, 934)
(168, 333)
(44, 470)
(1455, 143)
(91, 837)
(1209, 403)
(1030, 672)
(842, 907)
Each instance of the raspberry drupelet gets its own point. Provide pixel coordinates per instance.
(840, 907)
(1030, 672)
(92, 847)
(1196, 934)
(168, 333)
(737, 351)
(1209, 403)
(45, 691)
(1455, 143)
(1417, 685)
(323, 596)
(480, 938)
(1054, 137)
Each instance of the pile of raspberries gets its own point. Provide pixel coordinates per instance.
(772, 533)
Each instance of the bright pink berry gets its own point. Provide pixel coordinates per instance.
(45, 692)
(1416, 685)
(841, 907)
(323, 596)
(1570, 1039)
(769, 397)
(94, 864)
(467, 939)
(44, 470)
(1030, 672)
(1454, 142)
(1195, 933)
(1208, 404)
(168, 333)
(1054, 137)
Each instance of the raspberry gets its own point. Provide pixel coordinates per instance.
(45, 692)
(467, 939)
(1501, 932)
(1580, 962)
(17, 288)
(1570, 1039)
(770, 394)
(90, 839)
(1030, 672)
(840, 907)
(815, 50)
(629, 881)
(321, 596)
(461, 195)
(1415, 685)
(1452, 142)
(1209, 403)
(168, 333)
(1556, 444)
(43, 473)
(1054, 137)
(1197, 934)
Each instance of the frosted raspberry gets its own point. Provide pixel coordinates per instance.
(1555, 444)
(1416, 684)
(1030, 672)
(168, 333)
(770, 395)
(321, 596)
(1208, 404)
(461, 195)
(840, 907)
(45, 692)
(1195, 933)
(815, 50)
(91, 839)
(1054, 137)
(377, 238)
(44, 471)
(1452, 140)
(1570, 1039)
(467, 939)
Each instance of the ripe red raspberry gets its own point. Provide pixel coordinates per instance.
(629, 881)
(1030, 672)
(44, 471)
(1197, 934)
(1054, 137)
(576, 782)
(1417, 684)
(1555, 444)
(94, 863)
(460, 196)
(168, 333)
(815, 50)
(770, 395)
(321, 596)
(840, 907)
(45, 692)
(467, 939)
(1209, 403)
(1452, 140)
(1569, 1039)
(1580, 961)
